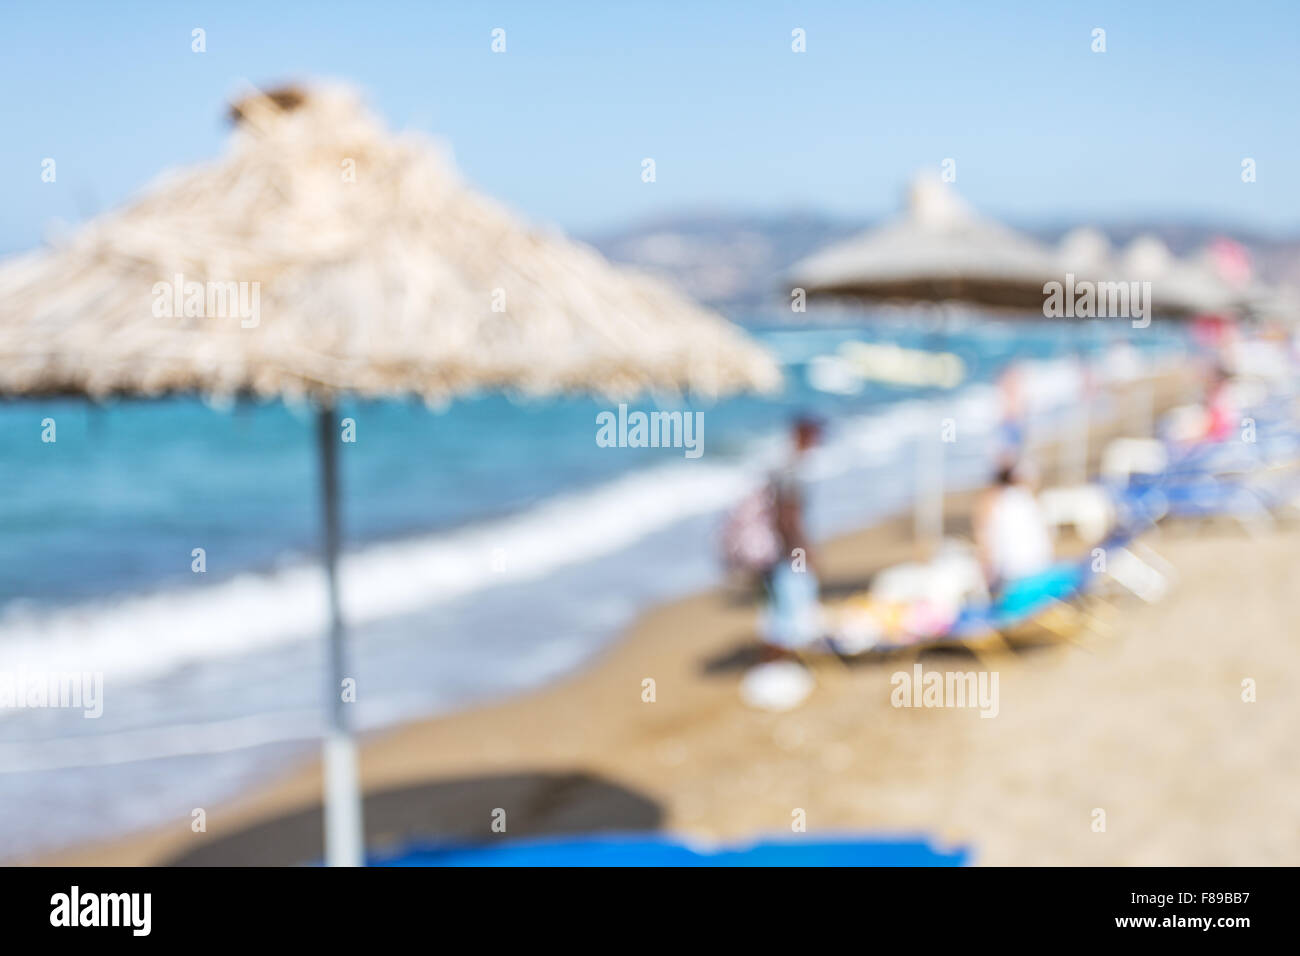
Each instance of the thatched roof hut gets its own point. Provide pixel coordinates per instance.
(372, 269)
(938, 250)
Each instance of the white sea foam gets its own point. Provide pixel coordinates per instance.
(155, 743)
(147, 635)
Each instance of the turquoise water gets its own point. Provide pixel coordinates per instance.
(129, 488)
(491, 546)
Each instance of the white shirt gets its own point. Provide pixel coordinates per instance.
(1019, 544)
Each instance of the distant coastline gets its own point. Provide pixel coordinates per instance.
(735, 261)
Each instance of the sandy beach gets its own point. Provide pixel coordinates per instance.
(1142, 716)
(1146, 723)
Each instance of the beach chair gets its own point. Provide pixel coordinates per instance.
(982, 630)
(1202, 486)
(1249, 481)
(1050, 601)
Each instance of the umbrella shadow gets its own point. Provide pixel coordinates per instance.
(457, 811)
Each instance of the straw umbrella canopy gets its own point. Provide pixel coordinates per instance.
(939, 250)
(1179, 287)
(1086, 252)
(377, 272)
(323, 256)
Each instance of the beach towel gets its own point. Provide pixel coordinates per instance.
(1024, 596)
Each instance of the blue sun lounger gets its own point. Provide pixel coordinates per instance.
(664, 850)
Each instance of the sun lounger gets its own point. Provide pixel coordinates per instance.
(1042, 600)
(654, 849)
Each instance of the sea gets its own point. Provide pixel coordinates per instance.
(490, 546)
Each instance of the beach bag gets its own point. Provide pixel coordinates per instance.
(748, 541)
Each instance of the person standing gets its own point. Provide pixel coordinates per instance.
(793, 615)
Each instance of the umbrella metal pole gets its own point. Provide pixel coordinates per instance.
(1142, 413)
(1148, 409)
(1074, 450)
(343, 831)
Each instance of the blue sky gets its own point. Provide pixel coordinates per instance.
(1041, 128)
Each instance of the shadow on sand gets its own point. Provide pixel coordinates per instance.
(456, 811)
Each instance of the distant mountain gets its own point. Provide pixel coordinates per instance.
(735, 262)
(728, 261)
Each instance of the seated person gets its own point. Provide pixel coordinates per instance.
(1011, 534)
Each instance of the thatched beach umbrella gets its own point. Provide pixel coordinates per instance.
(1180, 288)
(938, 250)
(1086, 252)
(1190, 286)
(323, 256)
